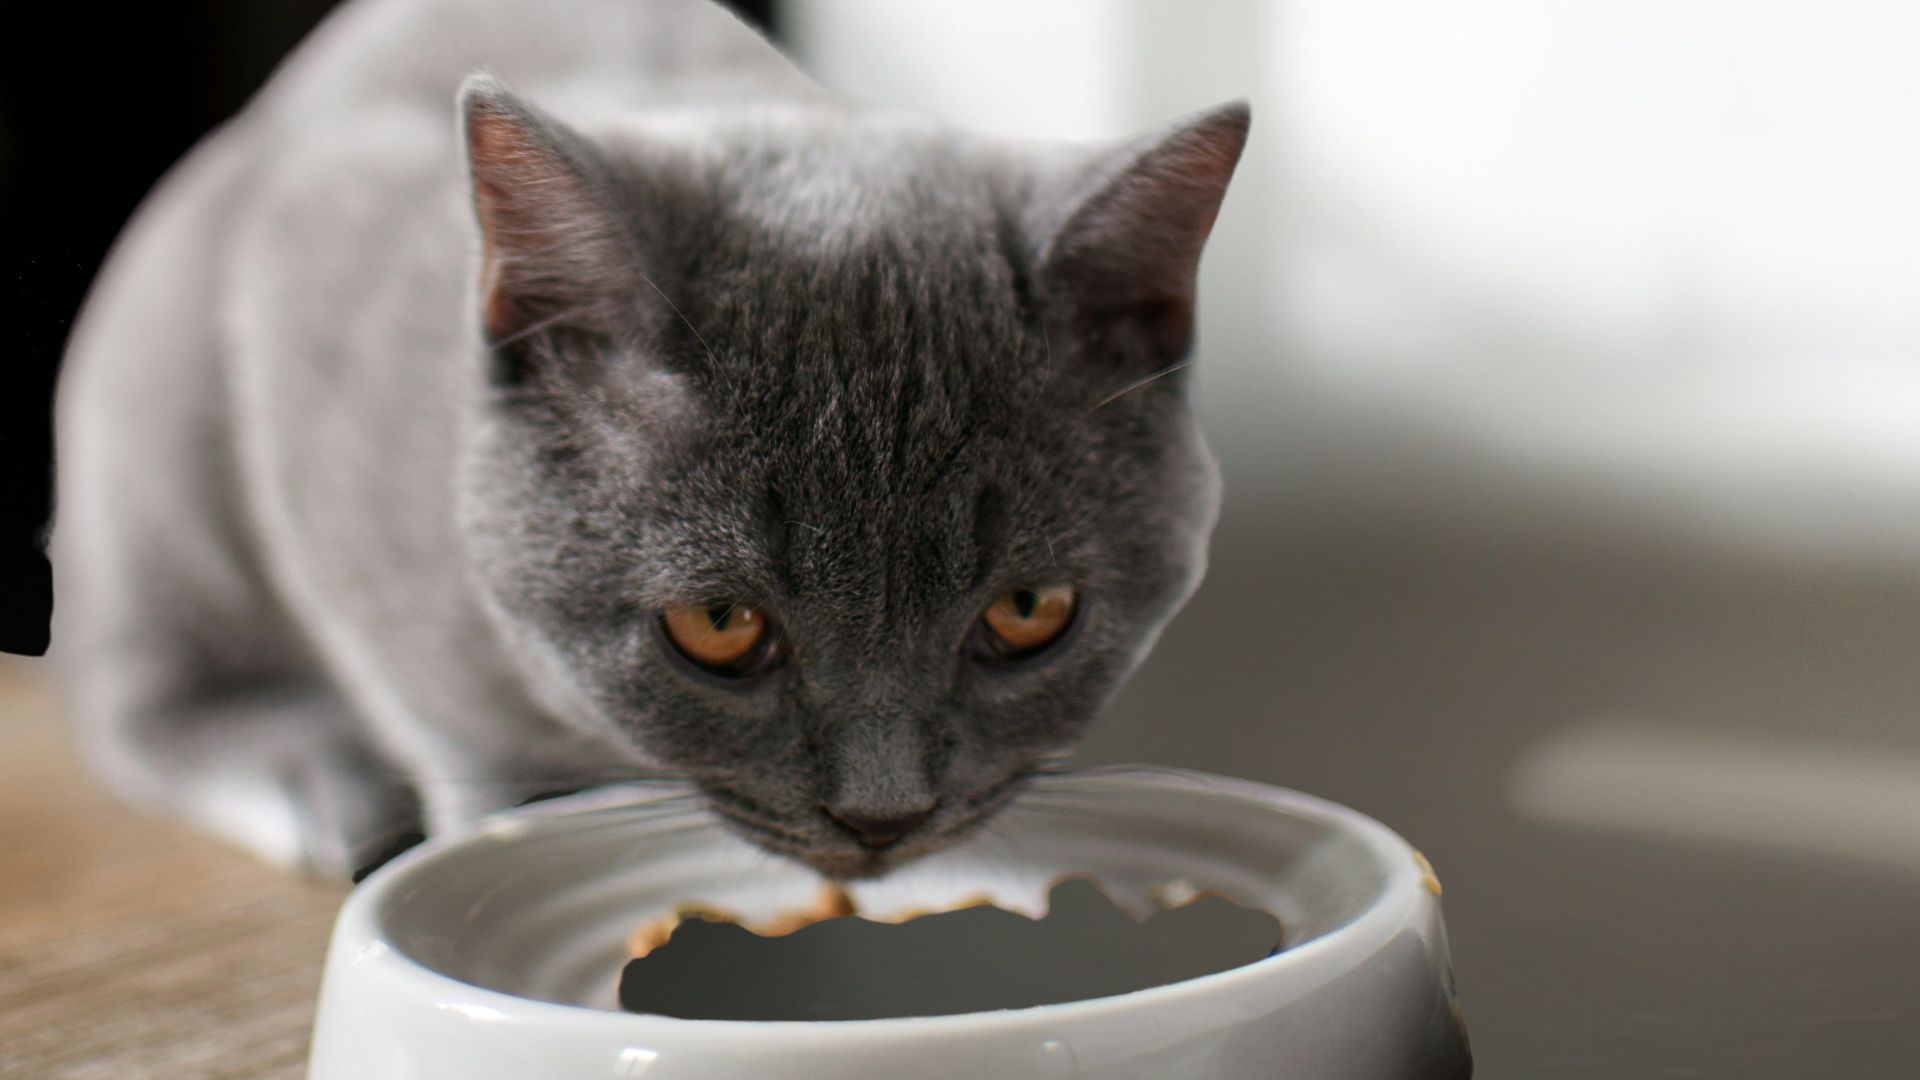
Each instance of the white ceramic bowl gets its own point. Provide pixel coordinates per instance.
(496, 955)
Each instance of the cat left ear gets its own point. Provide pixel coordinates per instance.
(548, 246)
(1127, 253)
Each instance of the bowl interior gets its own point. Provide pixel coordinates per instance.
(540, 904)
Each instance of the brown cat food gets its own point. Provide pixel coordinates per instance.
(833, 902)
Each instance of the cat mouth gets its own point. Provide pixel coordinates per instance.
(832, 856)
(827, 855)
(832, 853)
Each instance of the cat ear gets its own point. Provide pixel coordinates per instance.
(549, 248)
(1127, 250)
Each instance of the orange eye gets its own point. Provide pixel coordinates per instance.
(1027, 620)
(722, 637)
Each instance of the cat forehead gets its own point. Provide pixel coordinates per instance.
(817, 179)
(907, 318)
(898, 351)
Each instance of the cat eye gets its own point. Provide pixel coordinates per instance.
(1024, 622)
(732, 640)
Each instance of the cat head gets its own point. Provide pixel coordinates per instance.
(837, 461)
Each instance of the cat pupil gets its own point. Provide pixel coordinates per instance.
(1024, 601)
(719, 615)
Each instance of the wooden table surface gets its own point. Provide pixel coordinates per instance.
(131, 947)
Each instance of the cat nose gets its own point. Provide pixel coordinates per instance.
(879, 830)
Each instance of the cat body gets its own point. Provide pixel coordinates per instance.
(408, 402)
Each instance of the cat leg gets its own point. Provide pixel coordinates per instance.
(272, 765)
(193, 693)
(473, 748)
(193, 696)
(192, 689)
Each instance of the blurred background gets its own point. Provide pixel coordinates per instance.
(1564, 363)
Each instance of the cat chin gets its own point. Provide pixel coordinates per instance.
(834, 863)
(837, 863)
(857, 865)
(843, 866)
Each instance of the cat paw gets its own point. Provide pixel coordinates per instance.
(326, 811)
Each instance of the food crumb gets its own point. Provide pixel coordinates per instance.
(1427, 876)
(833, 902)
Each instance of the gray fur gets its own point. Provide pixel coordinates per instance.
(330, 559)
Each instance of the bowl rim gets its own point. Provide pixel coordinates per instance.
(1404, 891)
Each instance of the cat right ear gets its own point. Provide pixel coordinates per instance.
(1123, 238)
(549, 248)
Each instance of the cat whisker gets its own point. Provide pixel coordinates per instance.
(1102, 778)
(541, 325)
(647, 831)
(1140, 382)
(985, 806)
(760, 830)
(1078, 800)
(552, 781)
(992, 843)
(640, 798)
(689, 323)
(1067, 810)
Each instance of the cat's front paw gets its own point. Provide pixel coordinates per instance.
(327, 811)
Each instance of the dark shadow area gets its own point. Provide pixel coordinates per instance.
(97, 100)
(974, 960)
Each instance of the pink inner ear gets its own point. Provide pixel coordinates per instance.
(500, 154)
(497, 311)
(535, 217)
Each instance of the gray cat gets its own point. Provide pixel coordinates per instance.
(422, 449)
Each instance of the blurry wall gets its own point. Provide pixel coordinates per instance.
(1622, 251)
(1625, 252)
